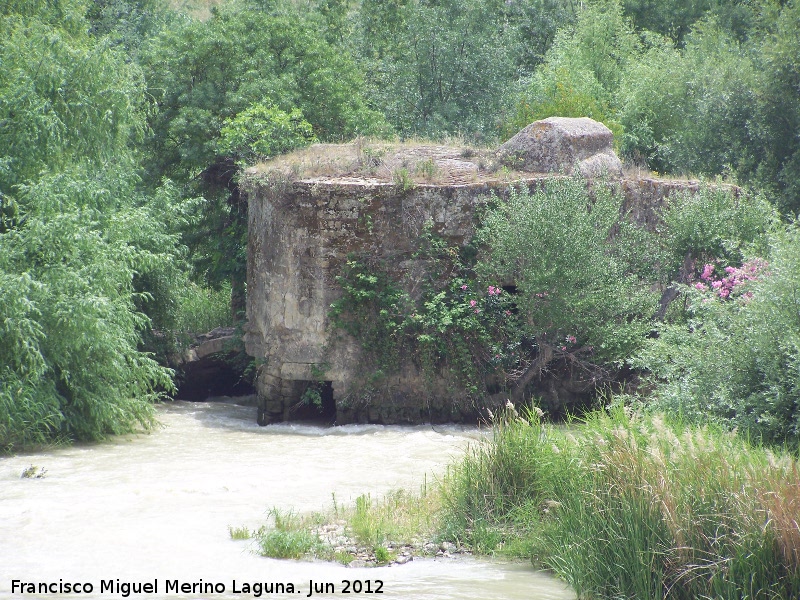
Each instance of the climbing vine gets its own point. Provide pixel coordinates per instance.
(452, 326)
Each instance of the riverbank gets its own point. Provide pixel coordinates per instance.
(157, 506)
(623, 506)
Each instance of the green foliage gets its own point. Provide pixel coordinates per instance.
(714, 224)
(239, 533)
(64, 97)
(559, 90)
(127, 22)
(370, 310)
(80, 245)
(263, 131)
(632, 507)
(531, 28)
(581, 70)
(394, 519)
(777, 124)
(204, 74)
(726, 351)
(243, 70)
(556, 244)
(687, 111)
(452, 328)
(69, 347)
(437, 67)
(288, 538)
(676, 18)
(735, 361)
(202, 309)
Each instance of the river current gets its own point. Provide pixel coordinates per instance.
(155, 508)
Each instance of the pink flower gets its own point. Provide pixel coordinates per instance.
(508, 313)
(700, 285)
(563, 348)
(491, 290)
(724, 293)
(571, 339)
(730, 270)
(472, 303)
(716, 284)
(707, 271)
(464, 287)
(477, 310)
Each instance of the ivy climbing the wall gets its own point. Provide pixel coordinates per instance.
(452, 326)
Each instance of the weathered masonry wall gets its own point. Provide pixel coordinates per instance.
(300, 235)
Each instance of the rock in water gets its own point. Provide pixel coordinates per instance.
(563, 145)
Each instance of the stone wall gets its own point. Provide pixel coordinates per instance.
(301, 231)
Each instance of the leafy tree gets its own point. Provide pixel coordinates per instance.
(676, 18)
(64, 97)
(532, 25)
(581, 71)
(575, 293)
(128, 23)
(202, 73)
(248, 59)
(776, 126)
(438, 66)
(78, 240)
(71, 332)
(263, 131)
(689, 110)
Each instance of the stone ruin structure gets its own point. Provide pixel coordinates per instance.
(310, 210)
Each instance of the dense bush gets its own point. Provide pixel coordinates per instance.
(574, 291)
(735, 360)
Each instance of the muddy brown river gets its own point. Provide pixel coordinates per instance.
(153, 511)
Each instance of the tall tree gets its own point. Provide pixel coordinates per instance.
(439, 66)
(204, 74)
(76, 234)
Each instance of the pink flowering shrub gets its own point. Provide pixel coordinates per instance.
(735, 360)
(735, 281)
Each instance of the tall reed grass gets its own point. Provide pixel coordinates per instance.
(633, 507)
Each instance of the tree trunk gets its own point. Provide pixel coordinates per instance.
(535, 370)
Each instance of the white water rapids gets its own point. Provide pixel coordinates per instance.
(157, 507)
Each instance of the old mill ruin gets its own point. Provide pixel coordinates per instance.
(310, 210)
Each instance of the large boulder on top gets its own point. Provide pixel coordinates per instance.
(563, 145)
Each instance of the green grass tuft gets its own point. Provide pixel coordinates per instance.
(634, 507)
